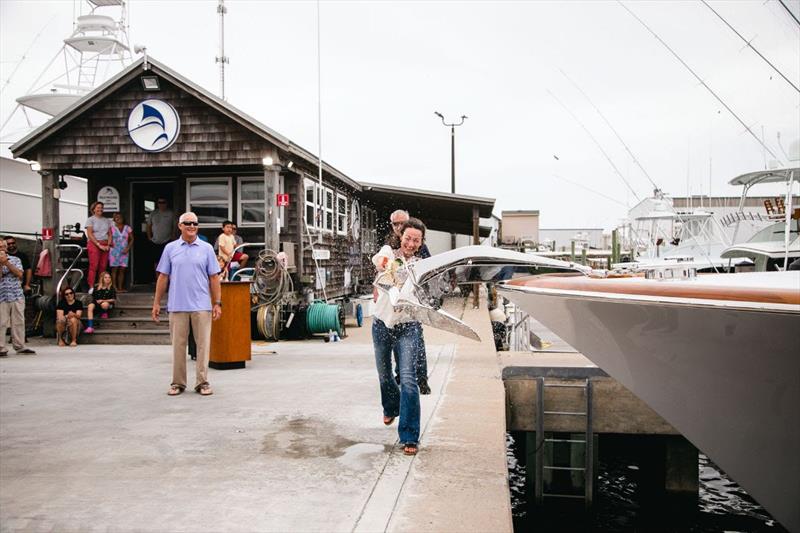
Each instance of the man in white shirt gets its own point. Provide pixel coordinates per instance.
(160, 227)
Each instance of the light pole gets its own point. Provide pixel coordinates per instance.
(452, 127)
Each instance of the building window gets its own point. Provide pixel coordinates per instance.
(369, 233)
(310, 203)
(209, 199)
(251, 202)
(328, 209)
(341, 214)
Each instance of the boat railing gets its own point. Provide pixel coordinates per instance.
(519, 331)
(69, 270)
(740, 216)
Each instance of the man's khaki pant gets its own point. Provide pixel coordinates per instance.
(12, 314)
(179, 334)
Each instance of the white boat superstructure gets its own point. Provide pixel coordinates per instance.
(717, 355)
(97, 48)
(778, 244)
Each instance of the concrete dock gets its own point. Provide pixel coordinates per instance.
(89, 441)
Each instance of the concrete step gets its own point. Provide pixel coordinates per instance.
(131, 323)
(134, 311)
(127, 336)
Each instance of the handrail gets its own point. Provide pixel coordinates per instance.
(248, 270)
(70, 268)
(246, 245)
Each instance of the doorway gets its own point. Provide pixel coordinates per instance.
(144, 197)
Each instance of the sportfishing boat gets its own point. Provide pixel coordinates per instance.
(741, 240)
(716, 355)
(778, 244)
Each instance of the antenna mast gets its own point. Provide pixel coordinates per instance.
(221, 59)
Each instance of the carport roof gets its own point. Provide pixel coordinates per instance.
(439, 210)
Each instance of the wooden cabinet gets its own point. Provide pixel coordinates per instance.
(230, 335)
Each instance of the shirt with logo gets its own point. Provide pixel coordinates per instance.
(189, 266)
(11, 285)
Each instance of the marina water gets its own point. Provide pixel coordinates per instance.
(723, 506)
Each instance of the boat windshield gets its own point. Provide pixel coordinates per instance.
(773, 233)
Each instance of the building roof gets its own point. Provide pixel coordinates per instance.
(528, 212)
(447, 209)
(25, 146)
(441, 211)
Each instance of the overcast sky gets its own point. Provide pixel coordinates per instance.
(387, 66)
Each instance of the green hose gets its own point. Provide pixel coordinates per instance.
(322, 318)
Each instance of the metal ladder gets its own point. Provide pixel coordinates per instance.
(588, 442)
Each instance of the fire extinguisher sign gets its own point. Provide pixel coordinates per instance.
(282, 200)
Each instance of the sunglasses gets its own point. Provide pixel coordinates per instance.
(69, 293)
(190, 223)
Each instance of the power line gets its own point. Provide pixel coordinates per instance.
(751, 47)
(703, 83)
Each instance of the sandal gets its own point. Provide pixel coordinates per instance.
(387, 420)
(204, 389)
(174, 390)
(410, 448)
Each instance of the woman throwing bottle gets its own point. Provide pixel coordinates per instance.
(391, 330)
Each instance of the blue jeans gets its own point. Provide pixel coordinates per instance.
(404, 339)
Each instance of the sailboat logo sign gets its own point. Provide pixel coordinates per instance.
(154, 125)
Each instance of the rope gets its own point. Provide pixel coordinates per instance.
(271, 281)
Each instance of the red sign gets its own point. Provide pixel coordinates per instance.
(282, 200)
(47, 234)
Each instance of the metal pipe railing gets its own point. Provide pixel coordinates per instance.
(70, 269)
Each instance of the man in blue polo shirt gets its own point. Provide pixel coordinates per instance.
(189, 267)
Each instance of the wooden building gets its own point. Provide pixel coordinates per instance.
(150, 133)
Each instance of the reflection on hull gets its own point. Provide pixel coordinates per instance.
(726, 376)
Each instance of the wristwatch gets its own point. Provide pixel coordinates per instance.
(218, 303)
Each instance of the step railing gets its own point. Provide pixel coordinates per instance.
(70, 269)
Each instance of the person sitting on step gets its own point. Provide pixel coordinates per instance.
(68, 317)
(103, 297)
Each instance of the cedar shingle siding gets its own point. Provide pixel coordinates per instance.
(99, 137)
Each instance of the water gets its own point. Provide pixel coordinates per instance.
(723, 505)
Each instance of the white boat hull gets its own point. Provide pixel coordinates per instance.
(727, 378)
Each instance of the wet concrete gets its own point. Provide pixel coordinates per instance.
(89, 441)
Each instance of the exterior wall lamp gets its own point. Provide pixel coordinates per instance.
(150, 83)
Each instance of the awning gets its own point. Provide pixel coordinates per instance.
(438, 210)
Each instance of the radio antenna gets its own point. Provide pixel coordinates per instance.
(221, 59)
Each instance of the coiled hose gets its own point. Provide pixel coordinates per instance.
(322, 318)
(271, 281)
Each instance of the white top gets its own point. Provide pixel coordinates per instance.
(100, 227)
(393, 275)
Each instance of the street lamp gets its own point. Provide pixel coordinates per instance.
(452, 127)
